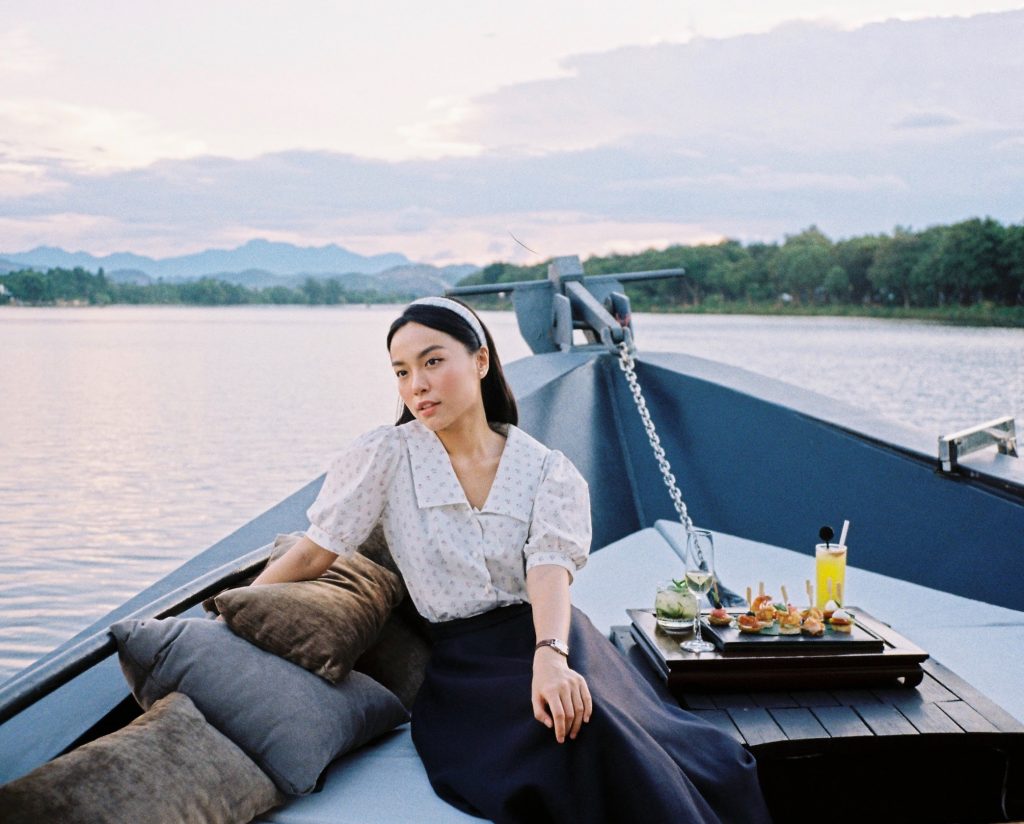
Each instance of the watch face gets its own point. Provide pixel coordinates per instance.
(557, 645)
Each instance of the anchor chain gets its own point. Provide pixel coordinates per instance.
(627, 363)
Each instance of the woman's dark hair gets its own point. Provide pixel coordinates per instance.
(499, 404)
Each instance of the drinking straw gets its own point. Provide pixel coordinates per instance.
(842, 535)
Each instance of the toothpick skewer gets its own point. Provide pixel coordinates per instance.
(839, 593)
(828, 587)
(760, 588)
(750, 600)
(785, 597)
(714, 586)
(810, 593)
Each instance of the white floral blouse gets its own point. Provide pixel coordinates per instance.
(456, 560)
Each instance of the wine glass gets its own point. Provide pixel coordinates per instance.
(700, 574)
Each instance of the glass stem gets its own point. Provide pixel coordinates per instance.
(696, 624)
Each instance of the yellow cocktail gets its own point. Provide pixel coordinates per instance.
(830, 571)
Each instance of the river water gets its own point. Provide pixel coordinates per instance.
(133, 437)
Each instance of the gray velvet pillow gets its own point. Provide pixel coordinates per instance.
(289, 721)
(168, 765)
(322, 625)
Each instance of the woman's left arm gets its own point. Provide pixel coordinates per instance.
(561, 698)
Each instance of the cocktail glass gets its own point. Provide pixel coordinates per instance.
(675, 606)
(829, 572)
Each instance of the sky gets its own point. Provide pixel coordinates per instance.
(440, 130)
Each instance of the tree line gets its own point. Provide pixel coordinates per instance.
(974, 263)
(55, 286)
(968, 263)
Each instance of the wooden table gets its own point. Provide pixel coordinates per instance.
(808, 663)
(939, 751)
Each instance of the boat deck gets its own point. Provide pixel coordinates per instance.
(958, 756)
(813, 747)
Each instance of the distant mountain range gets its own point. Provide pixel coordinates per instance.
(256, 264)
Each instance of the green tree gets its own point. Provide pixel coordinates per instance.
(334, 293)
(856, 255)
(925, 284)
(970, 264)
(28, 286)
(314, 291)
(802, 262)
(837, 284)
(1012, 291)
(894, 261)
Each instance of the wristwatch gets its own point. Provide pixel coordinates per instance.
(555, 644)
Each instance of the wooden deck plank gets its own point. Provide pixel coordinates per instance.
(932, 691)
(841, 722)
(774, 699)
(815, 698)
(900, 697)
(733, 700)
(1000, 718)
(798, 723)
(884, 720)
(721, 719)
(929, 691)
(929, 718)
(967, 717)
(756, 725)
(849, 698)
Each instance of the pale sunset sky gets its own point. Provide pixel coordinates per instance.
(437, 129)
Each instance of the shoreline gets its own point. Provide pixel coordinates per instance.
(984, 315)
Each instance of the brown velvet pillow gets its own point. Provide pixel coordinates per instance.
(168, 765)
(375, 548)
(322, 625)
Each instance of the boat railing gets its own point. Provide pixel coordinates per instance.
(1000, 433)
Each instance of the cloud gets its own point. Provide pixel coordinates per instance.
(89, 138)
(21, 54)
(751, 137)
(800, 86)
(927, 120)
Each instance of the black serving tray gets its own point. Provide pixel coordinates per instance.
(730, 639)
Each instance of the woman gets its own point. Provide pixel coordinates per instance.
(488, 527)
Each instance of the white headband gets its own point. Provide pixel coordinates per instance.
(458, 309)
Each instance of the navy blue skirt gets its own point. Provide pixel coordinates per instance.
(639, 758)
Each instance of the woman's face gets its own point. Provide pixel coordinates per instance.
(437, 378)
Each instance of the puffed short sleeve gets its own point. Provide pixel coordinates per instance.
(355, 491)
(560, 530)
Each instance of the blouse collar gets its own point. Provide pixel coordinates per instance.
(437, 485)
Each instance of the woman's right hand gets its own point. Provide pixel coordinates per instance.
(560, 695)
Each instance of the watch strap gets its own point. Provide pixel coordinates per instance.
(556, 644)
